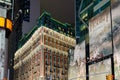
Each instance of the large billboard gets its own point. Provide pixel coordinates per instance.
(77, 63)
(100, 42)
(100, 35)
(116, 36)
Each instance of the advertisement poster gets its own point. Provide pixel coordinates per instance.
(98, 71)
(2, 52)
(77, 64)
(100, 35)
(100, 44)
(116, 36)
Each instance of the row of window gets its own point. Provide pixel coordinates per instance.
(59, 36)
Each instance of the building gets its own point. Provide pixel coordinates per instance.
(43, 53)
(97, 24)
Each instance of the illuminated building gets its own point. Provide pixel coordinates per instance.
(43, 53)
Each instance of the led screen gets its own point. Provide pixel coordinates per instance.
(116, 36)
(77, 65)
(100, 35)
(98, 71)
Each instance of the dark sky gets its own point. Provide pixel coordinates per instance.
(62, 10)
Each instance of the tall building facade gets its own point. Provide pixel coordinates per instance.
(43, 53)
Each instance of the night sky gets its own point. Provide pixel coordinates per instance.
(62, 10)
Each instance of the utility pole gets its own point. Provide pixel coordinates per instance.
(5, 29)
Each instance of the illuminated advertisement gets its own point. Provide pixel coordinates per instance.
(98, 71)
(116, 36)
(100, 35)
(8, 23)
(2, 52)
(77, 64)
(2, 22)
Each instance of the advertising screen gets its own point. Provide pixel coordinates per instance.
(116, 36)
(98, 71)
(77, 65)
(100, 35)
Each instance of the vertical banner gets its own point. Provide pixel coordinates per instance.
(100, 44)
(115, 5)
(2, 52)
(77, 63)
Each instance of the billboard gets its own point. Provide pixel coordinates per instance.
(100, 42)
(100, 35)
(116, 36)
(77, 63)
(2, 52)
(98, 71)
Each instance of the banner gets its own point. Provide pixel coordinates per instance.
(100, 35)
(77, 63)
(2, 52)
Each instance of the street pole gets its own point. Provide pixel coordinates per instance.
(112, 58)
(5, 29)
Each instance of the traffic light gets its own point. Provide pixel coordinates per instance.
(109, 77)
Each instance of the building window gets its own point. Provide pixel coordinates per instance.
(46, 56)
(46, 62)
(46, 68)
(50, 57)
